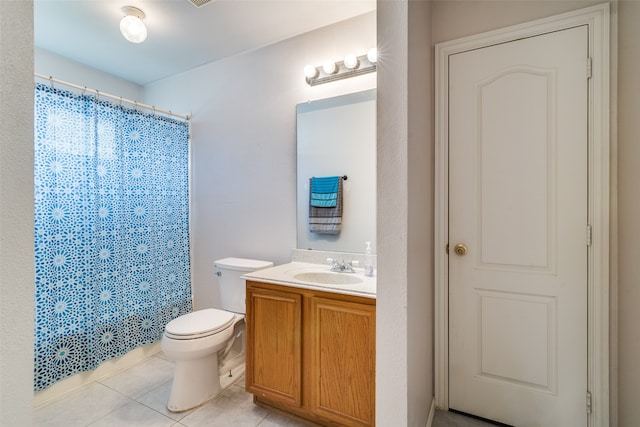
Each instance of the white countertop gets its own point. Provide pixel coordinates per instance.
(285, 275)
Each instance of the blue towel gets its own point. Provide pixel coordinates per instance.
(326, 219)
(328, 184)
(324, 191)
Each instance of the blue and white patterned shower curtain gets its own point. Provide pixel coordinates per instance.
(111, 230)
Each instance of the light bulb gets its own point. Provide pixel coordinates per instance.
(131, 26)
(310, 71)
(329, 67)
(372, 55)
(350, 61)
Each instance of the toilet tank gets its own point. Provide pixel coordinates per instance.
(232, 287)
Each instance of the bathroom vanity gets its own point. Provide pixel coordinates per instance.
(310, 343)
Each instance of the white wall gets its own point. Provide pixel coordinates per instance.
(50, 64)
(244, 143)
(455, 19)
(16, 213)
(420, 293)
(392, 212)
(628, 249)
(404, 316)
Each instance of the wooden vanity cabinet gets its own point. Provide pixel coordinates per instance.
(342, 369)
(311, 354)
(274, 345)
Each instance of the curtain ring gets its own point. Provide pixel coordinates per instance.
(97, 95)
(153, 107)
(84, 91)
(51, 81)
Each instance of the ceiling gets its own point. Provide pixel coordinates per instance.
(181, 36)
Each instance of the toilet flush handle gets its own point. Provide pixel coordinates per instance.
(218, 273)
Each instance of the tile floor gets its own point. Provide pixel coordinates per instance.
(450, 419)
(136, 397)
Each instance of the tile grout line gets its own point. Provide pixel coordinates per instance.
(130, 400)
(184, 414)
(115, 409)
(164, 415)
(135, 399)
(203, 404)
(263, 418)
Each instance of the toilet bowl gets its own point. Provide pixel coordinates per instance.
(208, 345)
(194, 343)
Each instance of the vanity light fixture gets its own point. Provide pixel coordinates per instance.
(351, 66)
(131, 25)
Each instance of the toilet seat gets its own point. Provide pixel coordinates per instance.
(199, 324)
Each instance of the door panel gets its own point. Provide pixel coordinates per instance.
(274, 337)
(518, 202)
(513, 119)
(506, 353)
(343, 388)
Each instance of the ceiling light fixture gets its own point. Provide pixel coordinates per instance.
(131, 26)
(350, 67)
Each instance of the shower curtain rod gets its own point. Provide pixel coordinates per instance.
(117, 98)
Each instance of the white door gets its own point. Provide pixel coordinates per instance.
(518, 203)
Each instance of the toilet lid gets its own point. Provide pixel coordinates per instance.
(207, 321)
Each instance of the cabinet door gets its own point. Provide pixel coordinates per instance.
(343, 361)
(273, 352)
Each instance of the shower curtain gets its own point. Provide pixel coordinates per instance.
(111, 230)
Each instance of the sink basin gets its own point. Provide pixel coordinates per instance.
(328, 278)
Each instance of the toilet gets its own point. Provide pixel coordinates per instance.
(208, 345)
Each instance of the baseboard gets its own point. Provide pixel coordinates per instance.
(432, 412)
(109, 367)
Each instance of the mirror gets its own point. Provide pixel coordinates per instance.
(337, 137)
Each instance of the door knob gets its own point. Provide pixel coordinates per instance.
(460, 249)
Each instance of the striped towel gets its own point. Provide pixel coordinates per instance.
(326, 220)
(324, 191)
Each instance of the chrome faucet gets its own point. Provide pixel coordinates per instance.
(340, 266)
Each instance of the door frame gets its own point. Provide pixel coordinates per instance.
(597, 19)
